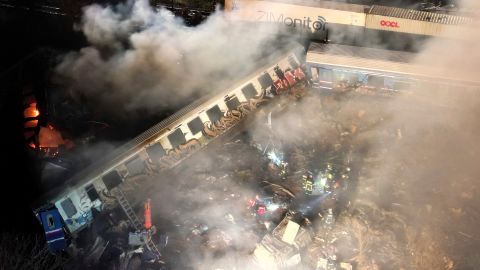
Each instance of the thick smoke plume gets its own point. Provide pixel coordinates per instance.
(144, 58)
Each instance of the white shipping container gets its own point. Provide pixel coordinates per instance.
(293, 15)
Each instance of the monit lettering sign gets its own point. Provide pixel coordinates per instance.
(318, 25)
(389, 24)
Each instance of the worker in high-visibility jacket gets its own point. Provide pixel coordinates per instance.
(148, 215)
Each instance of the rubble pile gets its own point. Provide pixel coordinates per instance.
(304, 188)
(236, 199)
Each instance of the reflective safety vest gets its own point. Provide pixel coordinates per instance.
(148, 215)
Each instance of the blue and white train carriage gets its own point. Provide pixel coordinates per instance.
(376, 71)
(68, 209)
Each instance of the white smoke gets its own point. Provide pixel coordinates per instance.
(143, 58)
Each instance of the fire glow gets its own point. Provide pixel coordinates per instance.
(31, 111)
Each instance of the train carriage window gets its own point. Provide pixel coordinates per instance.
(176, 138)
(68, 207)
(375, 81)
(50, 222)
(326, 75)
(91, 192)
(112, 179)
(352, 77)
(293, 63)
(214, 113)
(401, 85)
(265, 82)
(362, 78)
(196, 125)
(155, 151)
(232, 103)
(135, 165)
(388, 83)
(340, 75)
(249, 91)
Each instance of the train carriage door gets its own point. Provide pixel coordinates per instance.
(362, 78)
(314, 74)
(92, 193)
(325, 78)
(53, 226)
(400, 85)
(376, 82)
(388, 84)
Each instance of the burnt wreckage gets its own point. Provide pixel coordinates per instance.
(306, 187)
(95, 198)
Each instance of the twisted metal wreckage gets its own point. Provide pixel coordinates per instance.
(72, 210)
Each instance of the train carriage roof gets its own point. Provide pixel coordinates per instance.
(360, 52)
(381, 61)
(418, 15)
(112, 159)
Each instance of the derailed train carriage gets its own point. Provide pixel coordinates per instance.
(378, 72)
(350, 23)
(68, 210)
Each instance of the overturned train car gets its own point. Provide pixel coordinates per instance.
(68, 210)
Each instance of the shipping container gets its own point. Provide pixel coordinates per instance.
(349, 22)
(415, 22)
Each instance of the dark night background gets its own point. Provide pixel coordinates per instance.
(24, 33)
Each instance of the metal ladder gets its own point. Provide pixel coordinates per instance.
(132, 217)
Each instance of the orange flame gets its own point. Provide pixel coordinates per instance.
(31, 111)
(49, 137)
(30, 124)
